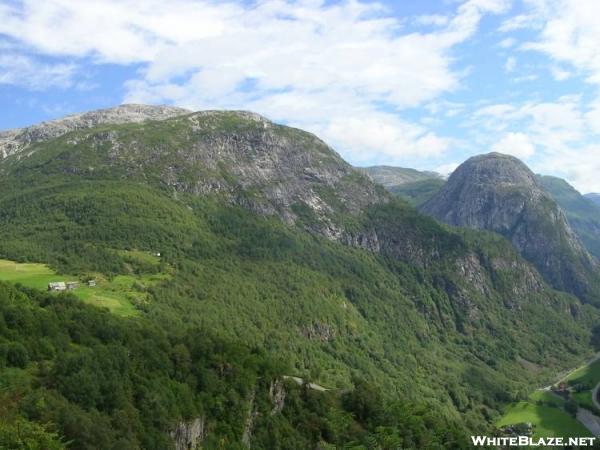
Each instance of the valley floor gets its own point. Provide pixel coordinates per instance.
(546, 410)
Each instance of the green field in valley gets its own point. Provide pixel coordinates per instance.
(589, 374)
(548, 421)
(545, 410)
(120, 294)
(588, 377)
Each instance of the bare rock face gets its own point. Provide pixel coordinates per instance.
(499, 193)
(277, 395)
(189, 435)
(240, 156)
(318, 332)
(14, 141)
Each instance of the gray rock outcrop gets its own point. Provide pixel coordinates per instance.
(499, 193)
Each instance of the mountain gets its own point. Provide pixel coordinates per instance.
(390, 176)
(417, 187)
(412, 185)
(499, 193)
(17, 140)
(277, 260)
(582, 213)
(594, 197)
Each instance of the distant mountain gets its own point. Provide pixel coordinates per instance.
(499, 193)
(412, 185)
(390, 176)
(583, 214)
(593, 197)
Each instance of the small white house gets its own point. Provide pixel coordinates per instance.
(57, 286)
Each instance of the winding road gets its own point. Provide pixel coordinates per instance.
(300, 381)
(589, 420)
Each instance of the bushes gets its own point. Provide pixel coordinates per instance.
(125, 383)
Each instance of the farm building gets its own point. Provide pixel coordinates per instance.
(72, 285)
(57, 286)
(91, 283)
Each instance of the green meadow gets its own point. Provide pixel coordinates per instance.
(549, 421)
(545, 410)
(121, 295)
(588, 376)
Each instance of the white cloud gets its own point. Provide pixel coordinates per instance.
(554, 137)
(26, 72)
(433, 20)
(510, 64)
(580, 166)
(515, 144)
(328, 67)
(550, 124)
(507, 43)
(569, 33)
(447, 169)
(560, 74)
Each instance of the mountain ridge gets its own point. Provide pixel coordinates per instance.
(15, 140)
(500, 193)
(583, 214)
(594, 197)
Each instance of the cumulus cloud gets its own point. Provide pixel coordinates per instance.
(515, 144)
(554, 137)
(345, 70)
(447, 169)
(580, 166)
(27, 72)
(510, 64)
(569, 33)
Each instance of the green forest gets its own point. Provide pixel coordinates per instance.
(417, 345)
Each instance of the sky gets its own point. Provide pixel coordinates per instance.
(412, 83)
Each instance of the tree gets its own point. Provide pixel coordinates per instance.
(571, 407)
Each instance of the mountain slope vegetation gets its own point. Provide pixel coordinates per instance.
(414, 186)
(279, 248)
(583, 214)
(594, 198)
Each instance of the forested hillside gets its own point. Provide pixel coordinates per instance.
(282, 261)
(582, 212)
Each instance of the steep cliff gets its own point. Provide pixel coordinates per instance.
(499, 193)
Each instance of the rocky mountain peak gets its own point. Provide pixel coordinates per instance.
(489, 191)
(496, 169)
(14, 141)
(500, 193)
(240, 156)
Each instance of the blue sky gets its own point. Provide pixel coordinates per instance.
(422, 84)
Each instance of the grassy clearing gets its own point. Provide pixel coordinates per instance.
(31, 275)
(584, 399)
(120, 295)
(548, 398)
(590, 377)
(549, 421)
(545, 410)
(589, 374)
